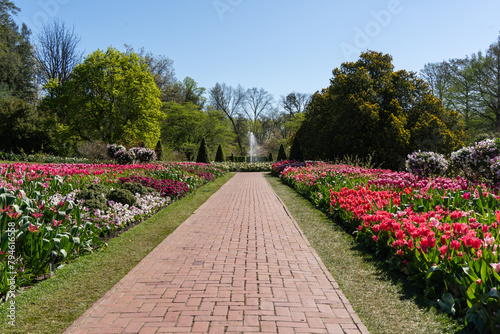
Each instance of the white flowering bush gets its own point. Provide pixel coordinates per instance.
(426, 163)
(460, 160)
(124, 157)
(113, 148)
(495, 168)
(476, 161)
(144, 154)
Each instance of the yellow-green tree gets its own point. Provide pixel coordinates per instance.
(111, 97)
(370, 109)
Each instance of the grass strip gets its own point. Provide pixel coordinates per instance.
(386, 302)
(54, 304)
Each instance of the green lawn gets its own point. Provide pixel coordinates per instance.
(386, 302)
(54, 304)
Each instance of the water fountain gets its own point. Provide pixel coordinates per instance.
(252, 141)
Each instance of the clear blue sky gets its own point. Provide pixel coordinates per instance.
(279, 45)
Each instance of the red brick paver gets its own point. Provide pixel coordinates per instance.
(239, 264)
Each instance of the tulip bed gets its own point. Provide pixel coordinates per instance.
(43, 224)
(243, 166)
(441, 232)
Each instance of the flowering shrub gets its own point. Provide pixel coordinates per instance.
(460, 159)
(113, 148)
(475, 161)
(495, 167)
(124, 157)
(442, 232)
(144, 154)
(426, 163)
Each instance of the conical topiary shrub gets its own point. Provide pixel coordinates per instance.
(203, 153)
(296, 151)
(281, 153)
(159, 151)
(219, 156)
(270, 157)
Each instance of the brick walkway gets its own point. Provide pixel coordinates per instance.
(239, 264)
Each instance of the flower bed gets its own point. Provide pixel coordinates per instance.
(52, 213)
(243, 166)
(443, 233)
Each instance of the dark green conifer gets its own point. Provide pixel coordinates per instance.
(281, 153)
(159, 151)
(203, 153)
(219, 156)
(296, 151)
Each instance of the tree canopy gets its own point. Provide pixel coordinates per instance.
(112, 97)
(370, 109)
(185, 125)
(17, 63)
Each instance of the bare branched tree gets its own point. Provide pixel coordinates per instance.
(230, 101)
(57, 52)
(295, 103)
(162, 69)
(258, 102)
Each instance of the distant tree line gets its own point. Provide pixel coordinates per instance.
(54, 100)
(470, 86)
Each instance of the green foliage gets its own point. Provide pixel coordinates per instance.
(94, 196)
(296, 150)
(191, 92)
(23, 128)
(281, 153)
(122, 196)
(203, 153)
(470, 86)
(135, 188)
(219, 156)
(371, 109)
(112, 97)
(93, 151)
(270, 157)
(17, 64)
(185, 125)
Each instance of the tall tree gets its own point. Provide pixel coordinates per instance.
(438, 76)
(192, 93)
(24, 128)
(17, 75)
(112, 97)
(369, 109)
(487, 76)
(463, 95)
(295, 103)
(257, 103)
(57, 52)
(230, 101)
(162, 69)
